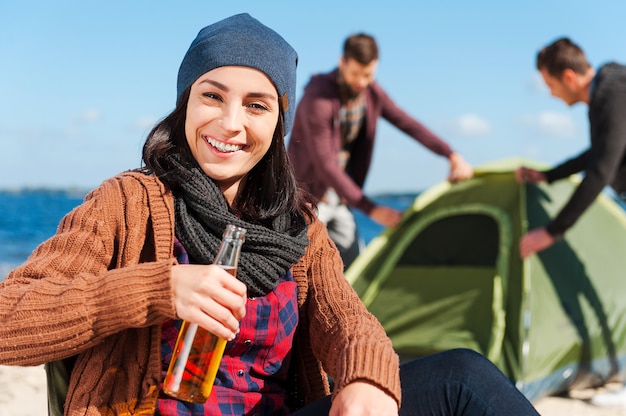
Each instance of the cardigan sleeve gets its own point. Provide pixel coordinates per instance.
(348, 340)
(70, 295)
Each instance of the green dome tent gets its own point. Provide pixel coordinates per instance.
(449, 275)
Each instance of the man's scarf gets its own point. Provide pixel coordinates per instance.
(202, 215)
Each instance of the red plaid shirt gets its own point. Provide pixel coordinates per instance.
(252, 376)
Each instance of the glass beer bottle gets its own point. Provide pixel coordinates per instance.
(197, 354)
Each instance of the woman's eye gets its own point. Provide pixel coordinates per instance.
(258, 107)
(211, 95)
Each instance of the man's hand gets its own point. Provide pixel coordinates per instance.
(387, 216)
(528, 175)
(534, 241)
(459, 168)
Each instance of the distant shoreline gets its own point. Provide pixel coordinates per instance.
(45, 189)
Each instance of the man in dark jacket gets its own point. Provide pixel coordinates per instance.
(571, 78)
(332, 141)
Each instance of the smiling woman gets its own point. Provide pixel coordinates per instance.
(232, 114)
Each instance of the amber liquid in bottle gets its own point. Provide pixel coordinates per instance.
(197, 354)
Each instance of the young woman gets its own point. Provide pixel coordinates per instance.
(101, 301)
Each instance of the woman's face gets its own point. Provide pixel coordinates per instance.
(232, 113)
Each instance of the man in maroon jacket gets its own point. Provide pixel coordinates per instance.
(332, 141)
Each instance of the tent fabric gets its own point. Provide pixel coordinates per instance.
(449, 275)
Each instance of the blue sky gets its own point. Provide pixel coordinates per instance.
(83, 82)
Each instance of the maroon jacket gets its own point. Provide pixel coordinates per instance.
(316, 140)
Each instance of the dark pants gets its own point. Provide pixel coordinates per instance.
(456, 382)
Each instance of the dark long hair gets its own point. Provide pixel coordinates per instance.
(267, 191)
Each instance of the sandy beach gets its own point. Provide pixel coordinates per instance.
(23, 393)
(577, 404)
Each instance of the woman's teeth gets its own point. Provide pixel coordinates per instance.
(223, 147)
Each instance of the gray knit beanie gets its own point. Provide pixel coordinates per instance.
(241, 40)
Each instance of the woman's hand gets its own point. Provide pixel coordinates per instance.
(209, 296)
(363, 399)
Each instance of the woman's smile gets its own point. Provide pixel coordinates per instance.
(223, 147)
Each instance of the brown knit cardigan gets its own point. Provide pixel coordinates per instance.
(99, 289)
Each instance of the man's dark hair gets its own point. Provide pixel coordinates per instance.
(560, 55)
(360, 47)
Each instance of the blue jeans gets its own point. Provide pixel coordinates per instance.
(451, 383)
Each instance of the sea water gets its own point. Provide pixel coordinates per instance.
(29, 217)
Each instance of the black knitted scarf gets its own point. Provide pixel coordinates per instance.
(202, 214)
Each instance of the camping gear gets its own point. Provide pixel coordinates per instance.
(449, 275)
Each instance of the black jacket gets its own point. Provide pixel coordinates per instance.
(604, 163)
